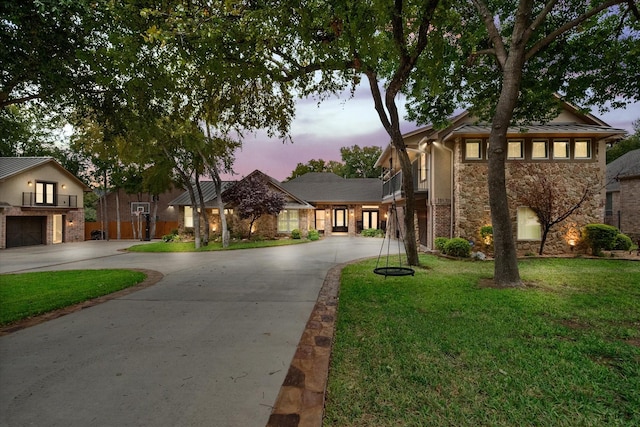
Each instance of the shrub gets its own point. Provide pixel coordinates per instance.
(440, 242)
(372, 232)
(458, 247)
(296, 234)
(313, 235)
(600, 237)
(622, 242)
(171, 237)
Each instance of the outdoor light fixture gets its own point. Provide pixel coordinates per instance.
(64, 186)
(30, 184)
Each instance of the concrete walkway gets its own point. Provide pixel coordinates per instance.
(209, 345)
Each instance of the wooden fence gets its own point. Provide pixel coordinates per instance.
(126, 229)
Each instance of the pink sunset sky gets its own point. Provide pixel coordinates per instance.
(320, 130)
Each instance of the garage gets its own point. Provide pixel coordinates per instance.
(26, 230)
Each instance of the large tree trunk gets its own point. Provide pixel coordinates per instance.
(203, 212)
(506, 271)
(118, 228)
(410, 241)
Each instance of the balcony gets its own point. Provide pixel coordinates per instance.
(59, 201)
(393, 186)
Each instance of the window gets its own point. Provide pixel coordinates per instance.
(472, 149)
(561, 149)
(515, 149)
(188, 216)
(58, 224)
(45, 192)
(608, 207)
(423, 167)
(528, 225)
(288, 221)
(582, 149)
(539, 149)
(320, 213)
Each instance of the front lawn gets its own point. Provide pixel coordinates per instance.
(29, 294)
(212, 246)
(438, 349)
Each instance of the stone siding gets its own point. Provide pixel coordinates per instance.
(472, 211)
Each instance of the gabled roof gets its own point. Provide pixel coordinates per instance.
(328, 187)
(208, 192)
(12, 166)
(625, 166)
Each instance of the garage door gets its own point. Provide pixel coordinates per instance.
(25, 230)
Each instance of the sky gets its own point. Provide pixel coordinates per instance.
(319, 130)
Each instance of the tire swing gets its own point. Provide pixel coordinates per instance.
(390, 270)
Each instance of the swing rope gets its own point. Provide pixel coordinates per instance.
(388, 270)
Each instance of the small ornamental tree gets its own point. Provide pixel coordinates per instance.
(548, 198)
(253, 198)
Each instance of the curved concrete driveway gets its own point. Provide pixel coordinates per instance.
(209, 345)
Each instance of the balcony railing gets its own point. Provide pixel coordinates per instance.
(393, 186)
(59, 201)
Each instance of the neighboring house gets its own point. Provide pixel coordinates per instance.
(450, 176)
(133, 209)
(41, 203)
(321, 201)
(623, 194)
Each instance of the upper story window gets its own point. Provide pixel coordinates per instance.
(560, 148)
(539, 149)
(515, 149)
(45, 193)
(472, 149)
(582, 149)
(423, 167)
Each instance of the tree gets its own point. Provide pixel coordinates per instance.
(552, 201)
(628, 144)
(326, 48)
(360, 162)
(252, 198)
(40, 42)
(317, 165)
(513, 56)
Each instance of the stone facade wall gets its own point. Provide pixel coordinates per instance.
(442, 218)
(472, 212)
(630, 208)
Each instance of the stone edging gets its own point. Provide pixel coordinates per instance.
(300, 402)
(153, 277)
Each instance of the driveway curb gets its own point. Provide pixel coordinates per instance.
(300, 402)
(153, 277)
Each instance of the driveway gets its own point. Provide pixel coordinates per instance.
(209, 345)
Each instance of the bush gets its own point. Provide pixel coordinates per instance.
(458, 247)
(600, 237)
(622, 242)
(313, 235)
(440, 242)
(171, 237)
(372, 232)
(296, 234)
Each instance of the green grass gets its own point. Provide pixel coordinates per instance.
(29, 294)
(439, 350)
(212, 246)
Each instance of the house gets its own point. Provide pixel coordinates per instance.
(320, 201)
(41, 203)
(623, 194)
(450, 176)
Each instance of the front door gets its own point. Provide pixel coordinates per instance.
(340, 220)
